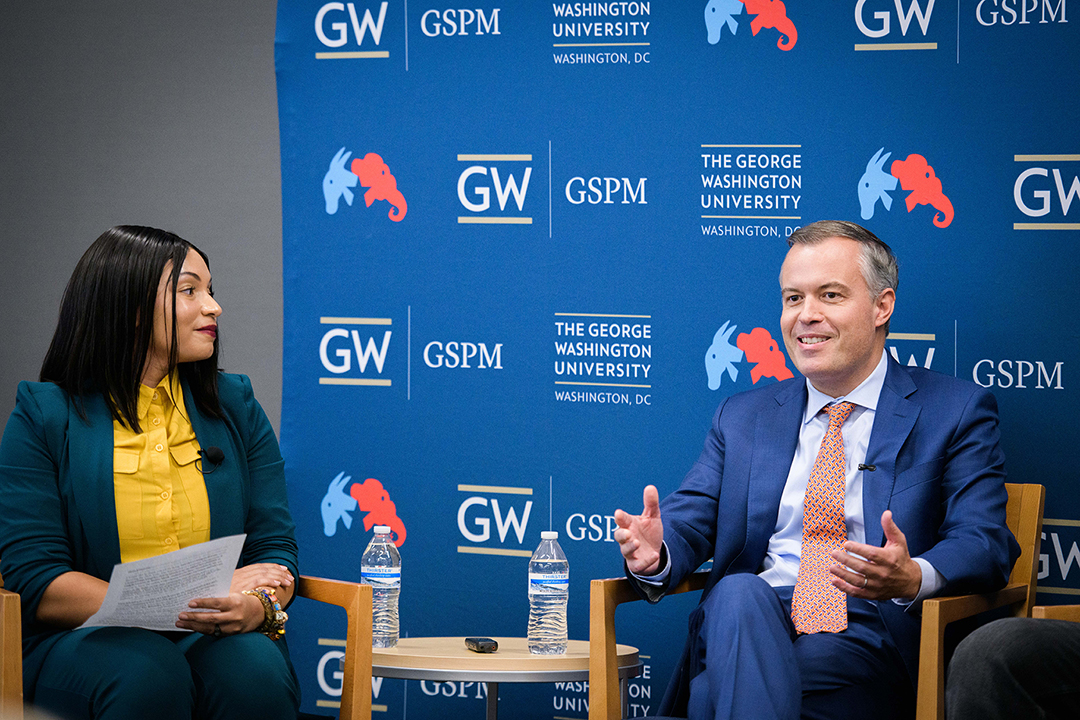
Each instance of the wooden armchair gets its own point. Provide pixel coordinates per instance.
(353, 597)
(1024, 518)
(356, 599)
(11, 692)
(1056, 612)
(605, 700)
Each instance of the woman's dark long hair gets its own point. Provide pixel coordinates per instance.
(106, 324)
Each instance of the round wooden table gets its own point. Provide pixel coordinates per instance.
(447, 658)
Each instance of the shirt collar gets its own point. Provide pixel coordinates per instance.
(171, 392)
(865, 395)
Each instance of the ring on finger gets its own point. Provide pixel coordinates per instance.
(865, 581)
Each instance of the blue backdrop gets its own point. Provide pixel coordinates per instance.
(513, 235)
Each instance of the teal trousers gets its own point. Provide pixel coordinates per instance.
(126, 673)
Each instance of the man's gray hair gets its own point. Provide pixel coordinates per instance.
(877, 261)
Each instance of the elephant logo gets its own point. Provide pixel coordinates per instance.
(914, 174)
(765, 353)
(370, 172)
(759, 348)
(769, 14)
(369, 496)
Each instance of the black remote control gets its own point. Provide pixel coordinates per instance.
(481, 644)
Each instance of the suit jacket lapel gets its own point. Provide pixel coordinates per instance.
(222, 481)
(90, 475)
(893, 422)
(775, 440)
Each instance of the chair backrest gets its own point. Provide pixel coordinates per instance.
(1023, 515)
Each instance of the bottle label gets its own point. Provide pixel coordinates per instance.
(383, 577)
(548, 582)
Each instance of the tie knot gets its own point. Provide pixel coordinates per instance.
(839, 412)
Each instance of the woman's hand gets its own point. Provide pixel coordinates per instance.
(237, 613)
(269, 575)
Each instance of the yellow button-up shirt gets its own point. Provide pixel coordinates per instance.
(161, 502)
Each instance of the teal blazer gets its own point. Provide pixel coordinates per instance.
(58, 510)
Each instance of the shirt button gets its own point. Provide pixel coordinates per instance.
(157, 395)
(165, 495)
(159, 447)
(157, 421)
(168, 541)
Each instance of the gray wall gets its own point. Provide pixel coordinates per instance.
(149, 112)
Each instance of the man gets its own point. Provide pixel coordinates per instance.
(812, 611)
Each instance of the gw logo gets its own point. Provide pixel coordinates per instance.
(1065, 536)
(340, 30)
(456, 22)
(474, 190)
(476, 512)
(457, 355)
(576, 190)
(884, 18)
(1039, 201)
(330, 661)
(912, 361)
(989, 16)
(341, 344)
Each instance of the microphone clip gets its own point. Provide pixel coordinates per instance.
(213, 455)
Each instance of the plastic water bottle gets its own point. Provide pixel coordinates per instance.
(549, 588)
(381, 569)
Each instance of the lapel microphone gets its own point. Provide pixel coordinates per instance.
(868, 468)
(213, 455)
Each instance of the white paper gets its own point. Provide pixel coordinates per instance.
(152, 593)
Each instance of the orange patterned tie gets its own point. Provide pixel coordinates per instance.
(817, 606)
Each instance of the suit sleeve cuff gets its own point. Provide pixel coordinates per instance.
(932, 582)
(660, 578)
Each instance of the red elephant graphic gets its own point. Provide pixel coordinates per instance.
(760, 348)
(916, 175)
(772, 14)
(373, 499)
(374, 174)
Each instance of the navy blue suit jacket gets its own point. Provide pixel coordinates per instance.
(939, 468)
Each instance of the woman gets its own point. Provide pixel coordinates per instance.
(134, 444)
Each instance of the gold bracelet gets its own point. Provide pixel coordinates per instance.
(273, 625)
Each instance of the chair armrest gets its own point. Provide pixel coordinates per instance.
(604, 597)
(11, 690)
(1057, 612)
(356, 600)
(936, 614)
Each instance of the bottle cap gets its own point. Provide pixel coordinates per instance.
(382, 529)
(549, 535)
